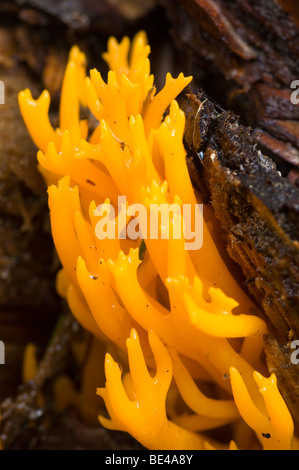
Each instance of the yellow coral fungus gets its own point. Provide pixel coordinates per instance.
(190, 337)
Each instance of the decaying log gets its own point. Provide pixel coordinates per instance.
(26, 248)
(259, 213)
(83, 15)
(245, 54)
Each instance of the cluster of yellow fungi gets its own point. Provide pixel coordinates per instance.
(187, 334)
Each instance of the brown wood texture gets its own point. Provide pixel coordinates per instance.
(245, 54)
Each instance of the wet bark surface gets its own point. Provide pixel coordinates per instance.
(245, 55)
(259, 213)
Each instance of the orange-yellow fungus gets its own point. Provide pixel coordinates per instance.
(274, 428)
(188, 335)
(145, 418)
